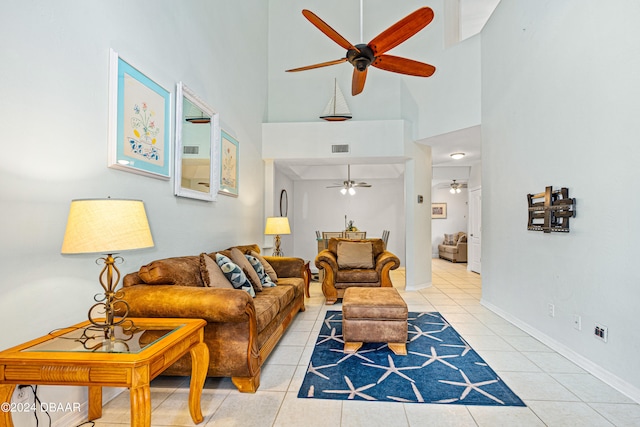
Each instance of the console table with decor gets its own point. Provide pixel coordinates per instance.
(81, 356)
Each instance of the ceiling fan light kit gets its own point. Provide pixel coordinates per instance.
(456, 187)
(361, 56)
(349, 186)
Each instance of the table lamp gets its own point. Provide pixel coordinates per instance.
(277, 225)
(107, 226)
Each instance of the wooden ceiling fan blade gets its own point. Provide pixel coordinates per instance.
(401, 30)
(322, 64)
(357, 81)
(327, 30)
(400, 65)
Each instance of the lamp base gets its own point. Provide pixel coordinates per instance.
(110, 304)
(276, 249)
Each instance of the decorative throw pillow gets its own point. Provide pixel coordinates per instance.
(234, 274)
(448, 239)
(212, 276)
(355, 254)
(259, 268)
(239, 258)
(267, 267)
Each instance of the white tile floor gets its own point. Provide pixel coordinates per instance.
(556, 391)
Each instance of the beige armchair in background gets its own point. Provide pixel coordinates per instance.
(454, 247)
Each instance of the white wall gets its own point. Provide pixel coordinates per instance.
(53, 138)
(373, 210)
(283, 182)
(560, 107)
(457, 215)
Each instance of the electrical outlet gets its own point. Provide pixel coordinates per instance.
(577, 322)
(22, 393)
(551, 309)
(601, 332)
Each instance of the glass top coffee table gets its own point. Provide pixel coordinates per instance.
(81, 355)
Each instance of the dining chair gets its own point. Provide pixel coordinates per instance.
(385, 237)
(355, 235)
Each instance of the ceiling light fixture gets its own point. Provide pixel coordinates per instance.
(457, 156)
(455, 187)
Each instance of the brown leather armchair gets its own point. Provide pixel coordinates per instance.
(347, 263)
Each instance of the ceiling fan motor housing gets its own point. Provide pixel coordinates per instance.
(362, 59)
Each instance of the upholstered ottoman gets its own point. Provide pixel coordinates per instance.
(374, 315)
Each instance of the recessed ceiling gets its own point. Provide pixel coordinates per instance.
(336, 169)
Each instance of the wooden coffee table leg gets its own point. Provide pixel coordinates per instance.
(6, 391)
(95, 402)
(199, 368)
(140, 406)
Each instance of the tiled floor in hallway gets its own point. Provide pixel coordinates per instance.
(556, 391)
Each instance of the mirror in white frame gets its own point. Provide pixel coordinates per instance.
(197, 159)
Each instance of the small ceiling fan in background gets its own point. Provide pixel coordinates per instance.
(456, 187)
(361, 56)
(349, 186)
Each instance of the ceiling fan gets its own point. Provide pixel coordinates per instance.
(349, 186)
(456, 187)
(361, 56)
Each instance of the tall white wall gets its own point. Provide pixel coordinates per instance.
(560, 107)
(447, 101)
(53, 138)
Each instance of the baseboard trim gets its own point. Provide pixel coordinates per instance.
(77, 418)
(418, 286)
(597, 371)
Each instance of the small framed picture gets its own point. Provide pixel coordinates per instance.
(229, 165)
(139, 122)
(438, 210)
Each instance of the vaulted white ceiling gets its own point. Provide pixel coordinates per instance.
(473, 16)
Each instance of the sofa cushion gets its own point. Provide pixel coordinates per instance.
(212, 276)
(235, 275)
(267, 267)
(450, 239)
(377, 244)
(448, 249)
(180, 271)
(265, 280)
(270, 301)
(266, 310)
(357, 275)
(239, 259)
(355, 254)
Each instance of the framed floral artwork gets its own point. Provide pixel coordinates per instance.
(139, 122)
(229, 165)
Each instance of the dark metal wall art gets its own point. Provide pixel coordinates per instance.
(550, 211)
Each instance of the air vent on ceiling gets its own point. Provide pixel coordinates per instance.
(344, 148)
(190, 149)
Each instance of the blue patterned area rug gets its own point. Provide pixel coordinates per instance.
(440, 367)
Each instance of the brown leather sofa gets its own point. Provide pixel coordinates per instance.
(343, 268)
(454, 247)
(241, 330)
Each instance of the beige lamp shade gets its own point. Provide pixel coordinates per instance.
(106, 226)
(277, 225)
